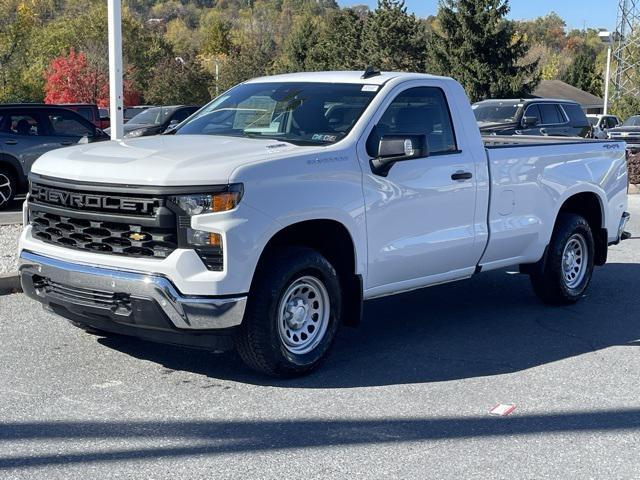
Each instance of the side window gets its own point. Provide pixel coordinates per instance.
(181, 115)
(23, 124)
(578, 118)
(67, 124)
(418, 111)
(551, 114)
(533, 111)
(86, 112)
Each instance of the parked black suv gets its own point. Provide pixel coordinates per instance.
(535, 116)
(156, 120)
(29, 130)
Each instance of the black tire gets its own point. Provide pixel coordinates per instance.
(551, 282)
(261, 339)
(8, 187)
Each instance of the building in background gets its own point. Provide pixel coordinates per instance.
(563, 91)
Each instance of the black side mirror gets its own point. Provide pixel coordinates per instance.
(529, 122)
(398, 148)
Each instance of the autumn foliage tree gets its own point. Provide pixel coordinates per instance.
(70, 79)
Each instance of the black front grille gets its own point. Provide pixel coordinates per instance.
(118, 303)
(103, 236)
(111, 223)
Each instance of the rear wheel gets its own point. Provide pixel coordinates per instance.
(8, 187)
(565, 273)
(293, 314)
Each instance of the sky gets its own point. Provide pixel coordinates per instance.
(577, 13)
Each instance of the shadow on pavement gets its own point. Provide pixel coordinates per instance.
(489, 325)
(220, 437)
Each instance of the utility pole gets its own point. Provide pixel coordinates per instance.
(627, 48)
(116, 107)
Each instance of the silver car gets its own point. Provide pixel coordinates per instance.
(29, 130)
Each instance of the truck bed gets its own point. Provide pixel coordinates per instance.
(531, 175)
(507, 141)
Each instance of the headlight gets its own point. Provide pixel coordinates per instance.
(208, 245)
(135, 133)
(200, 203)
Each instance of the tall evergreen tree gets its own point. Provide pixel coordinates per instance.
(393, 39)
(583, 72)
(474, 43)
(339, 42)
(298, 47)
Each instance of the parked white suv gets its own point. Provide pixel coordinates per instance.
(270, 216)
(601, 124)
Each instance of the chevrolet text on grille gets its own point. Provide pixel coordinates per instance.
(83, 200)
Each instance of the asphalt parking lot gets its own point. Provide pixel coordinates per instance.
(406, 395)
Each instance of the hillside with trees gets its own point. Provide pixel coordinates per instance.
(56, 50)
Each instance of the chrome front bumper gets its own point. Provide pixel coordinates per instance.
(123, 296)
(622, 233)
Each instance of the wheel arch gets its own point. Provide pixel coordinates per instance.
(335, 242)
(589, 205)
(11, 162)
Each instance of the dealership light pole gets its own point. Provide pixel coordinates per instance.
(116, 107)
(606, 38)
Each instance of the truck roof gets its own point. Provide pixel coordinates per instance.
(340, 77)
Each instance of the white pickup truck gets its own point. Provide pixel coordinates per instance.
(268, 217)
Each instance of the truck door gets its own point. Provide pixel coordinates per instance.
(420, 216)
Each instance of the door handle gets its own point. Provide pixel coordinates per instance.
(11, 142)
(460, 175)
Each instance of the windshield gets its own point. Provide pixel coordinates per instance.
(300, 113)
(632, 122)
(496, 112)
(152, 116)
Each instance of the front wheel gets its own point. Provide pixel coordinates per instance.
(8, 187)
(293, 314)
(565, 273)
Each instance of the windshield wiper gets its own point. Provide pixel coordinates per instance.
(297, 141)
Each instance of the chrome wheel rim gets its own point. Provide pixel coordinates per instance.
(303, 315)
(5, 189)
(574, 261)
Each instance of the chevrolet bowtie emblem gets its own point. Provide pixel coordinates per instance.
(137, 237)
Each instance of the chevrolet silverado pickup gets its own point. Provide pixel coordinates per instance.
(267, 218)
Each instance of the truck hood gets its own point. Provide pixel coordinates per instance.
(163, 160)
